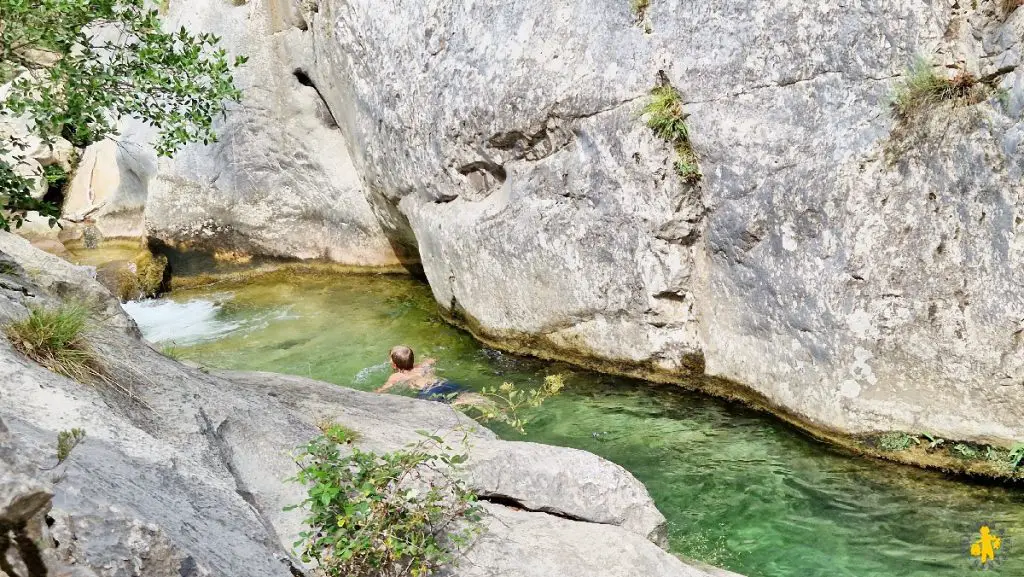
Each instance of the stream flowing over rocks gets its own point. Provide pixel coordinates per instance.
(861, 273)
(187, 476)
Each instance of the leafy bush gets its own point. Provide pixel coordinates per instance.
(398, 514)
(923, 88)
(895, 441)
(1016, 455)
(666, 118)
(504, 402)
(67, 441)
(54, 338)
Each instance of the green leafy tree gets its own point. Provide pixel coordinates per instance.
(75, 67)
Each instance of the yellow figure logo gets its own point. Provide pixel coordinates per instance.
(986, 546)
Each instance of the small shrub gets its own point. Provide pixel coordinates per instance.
(923, 88)
(394, 514)
(934, 442)
(895, 441)
(54, 338)
(67, 441)
(504, 402)
(964, 451)
(995, 454)
(666, 118)
(1016, 456)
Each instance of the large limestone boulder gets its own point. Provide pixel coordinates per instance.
(109, 190)
(182, 471)
(280, 181)
(857, 272)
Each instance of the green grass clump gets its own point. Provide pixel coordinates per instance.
(337, 432)
(171, 351)
(923, 88)
(895, 441)
(54, 338)
(666, 118)
(964, 451)
(67, 441)
(640, 8)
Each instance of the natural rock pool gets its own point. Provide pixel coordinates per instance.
(740, 489)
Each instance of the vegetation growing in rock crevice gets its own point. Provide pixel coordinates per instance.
(665, 116)
(67, 441)
(55, 339)
(639, 8)
(978, 458)
(923, 89)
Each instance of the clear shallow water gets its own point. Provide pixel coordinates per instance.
(740, 489)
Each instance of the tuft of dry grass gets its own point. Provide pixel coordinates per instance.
(923, 89)
(1008, 6)
(54, 338)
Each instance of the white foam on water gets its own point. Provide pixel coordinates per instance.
(364, 375)
(184, 323)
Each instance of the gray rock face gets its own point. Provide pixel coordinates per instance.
(182, 472)
(860, 273)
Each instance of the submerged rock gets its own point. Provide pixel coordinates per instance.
(183, 472)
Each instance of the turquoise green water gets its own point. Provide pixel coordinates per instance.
(740, 489)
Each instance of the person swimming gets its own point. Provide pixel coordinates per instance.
(420, 378)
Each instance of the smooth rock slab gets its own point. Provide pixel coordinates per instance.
(566, 482)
